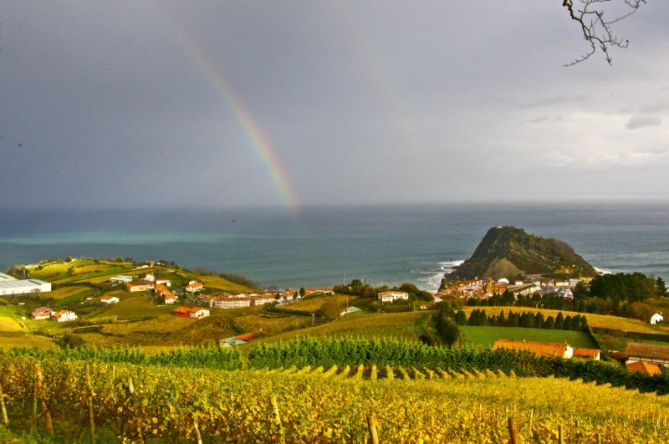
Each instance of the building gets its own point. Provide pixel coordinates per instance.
(320, 291)
(65, 316)
(136, 286)
(230, 302)
(191, 312)
(644, 367)
(587, 353)
(392, 296)
(657, 354)
(122, 279)
(262, 299)
(656, 318)
(10, 286)
(170, 298)
(109, 300)
(194, 286)
(42, 313)
(350, 310)
(548, 349)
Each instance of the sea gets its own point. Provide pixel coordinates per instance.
(328, 245)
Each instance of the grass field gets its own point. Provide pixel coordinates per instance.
(379, 325)
(594, 320)
(486, 336)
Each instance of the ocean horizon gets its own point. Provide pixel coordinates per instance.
(327, 245)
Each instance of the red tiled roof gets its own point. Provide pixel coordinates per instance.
(586, 352)
(246, 337)
(651, 351)
(644, 367)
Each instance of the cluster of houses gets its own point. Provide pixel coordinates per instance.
(486, 288)
(44, 313)
(638, 357)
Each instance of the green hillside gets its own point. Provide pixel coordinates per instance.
(510, 251)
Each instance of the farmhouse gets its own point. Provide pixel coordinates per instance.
(170, 298)
(587, 353)
(191, 312)
(123, 279)
(658, 354)
(194, 286)
(392, 296)
(64, 316)
(136, 286)
(549, 349)
(10, 286)
(42, 313)
(109, 300)
(644, 367)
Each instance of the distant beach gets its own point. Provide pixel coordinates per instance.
(330, 245)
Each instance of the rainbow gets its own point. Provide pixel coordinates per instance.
(257, 138)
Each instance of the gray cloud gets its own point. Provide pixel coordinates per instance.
(638, 122)
(114, 103)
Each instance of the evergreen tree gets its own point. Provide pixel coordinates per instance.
(559, 321)
(568, 323)
(550, 323)
(460, 318)
(538, 320)
(514, 320)
(501, 321)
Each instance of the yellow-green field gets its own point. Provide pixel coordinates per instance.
(594, 320)
(381, 325)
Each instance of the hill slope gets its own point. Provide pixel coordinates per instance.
(510, 251)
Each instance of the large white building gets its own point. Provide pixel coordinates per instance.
(392, 296)
(10, 286)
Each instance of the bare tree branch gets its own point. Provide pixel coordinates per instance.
(597, 27)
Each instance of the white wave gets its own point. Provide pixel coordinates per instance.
(432, 281)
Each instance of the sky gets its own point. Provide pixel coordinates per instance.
(302, 102)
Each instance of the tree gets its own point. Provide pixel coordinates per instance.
(661, 287)
(446, 326)
(597, 27)
(559, 321)
(461, 318)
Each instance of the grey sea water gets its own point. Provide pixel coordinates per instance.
(329, 245)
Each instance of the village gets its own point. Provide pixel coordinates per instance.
(193, 300)
(530, 285)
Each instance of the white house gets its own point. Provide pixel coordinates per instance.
(109, 300)
(121, 278)
(392, 296)
(656, 318)
(194, 286)
(64, 316)
(199, 313)
(170, 298)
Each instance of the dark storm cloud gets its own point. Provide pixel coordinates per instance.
(119, 103)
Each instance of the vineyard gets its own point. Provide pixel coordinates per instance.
(328, 352)
(78, 402)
